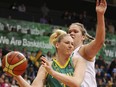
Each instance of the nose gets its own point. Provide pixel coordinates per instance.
(70, 45)
(71, 33)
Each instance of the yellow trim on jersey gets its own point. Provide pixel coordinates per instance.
(64, 85)
(61, 65)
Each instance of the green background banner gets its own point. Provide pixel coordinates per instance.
(20, 41)
(34, 36)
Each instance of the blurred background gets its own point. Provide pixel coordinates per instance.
(25, 26)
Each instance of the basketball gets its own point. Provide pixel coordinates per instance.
(14, 63)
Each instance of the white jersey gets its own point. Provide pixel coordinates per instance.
(89, 78)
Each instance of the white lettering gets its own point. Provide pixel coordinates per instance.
(109, 53)
(4, 40)
(37, 44)
(37, 32)
(15, 42)
(1, 26)
(115, 54)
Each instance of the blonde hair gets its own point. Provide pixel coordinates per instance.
(57, 36)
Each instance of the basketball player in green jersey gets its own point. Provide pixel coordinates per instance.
(64, 70)
(63, 64)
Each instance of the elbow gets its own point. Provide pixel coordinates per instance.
(100, 39)
(100, 43)
(103, 43)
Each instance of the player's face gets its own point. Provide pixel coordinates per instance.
(66, 46)
(76, 33)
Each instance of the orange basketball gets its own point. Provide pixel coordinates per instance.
(14, 63)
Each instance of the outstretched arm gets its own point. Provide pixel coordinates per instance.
(21, 81)
(38, 81)
(72, 81)
(93, 47)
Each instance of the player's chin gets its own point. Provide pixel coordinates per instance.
(69, 53)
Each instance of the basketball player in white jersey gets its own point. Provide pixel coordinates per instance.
(89, 51)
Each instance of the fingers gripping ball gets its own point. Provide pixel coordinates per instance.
(14, 63)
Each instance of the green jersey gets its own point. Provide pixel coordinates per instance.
(67, 69)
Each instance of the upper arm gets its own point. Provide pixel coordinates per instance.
(93, 48)
(90, 50)
(80, 67)
(40, 78)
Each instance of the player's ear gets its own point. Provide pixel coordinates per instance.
(83, 38)
(57, 44)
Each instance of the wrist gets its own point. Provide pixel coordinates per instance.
(100, 14)
(52, 72)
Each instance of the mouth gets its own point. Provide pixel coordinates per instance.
(69, 49)
(69, 52)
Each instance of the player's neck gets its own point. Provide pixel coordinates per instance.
(78, 45)
(61, 59)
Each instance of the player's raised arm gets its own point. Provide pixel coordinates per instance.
(92, 48)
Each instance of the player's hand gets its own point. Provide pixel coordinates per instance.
(101, 6)
(46, 65)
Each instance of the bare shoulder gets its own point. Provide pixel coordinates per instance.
(77, 59)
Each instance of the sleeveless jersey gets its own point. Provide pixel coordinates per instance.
(67, 69)
(89, 78)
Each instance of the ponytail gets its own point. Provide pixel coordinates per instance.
(56, 34)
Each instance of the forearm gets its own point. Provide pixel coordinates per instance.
(40, 78)
(100, 32)
(22, 82)
(38, 82)
(67, 80)
(101, 7)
